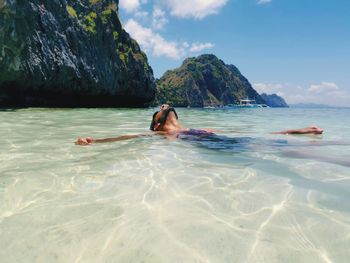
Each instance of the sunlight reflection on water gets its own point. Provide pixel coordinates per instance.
(248, 197)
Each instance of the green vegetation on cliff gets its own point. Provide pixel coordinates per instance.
(204, 81)
(70, 53)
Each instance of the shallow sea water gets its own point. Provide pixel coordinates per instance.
(255, 198)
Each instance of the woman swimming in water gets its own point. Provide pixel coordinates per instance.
(165, 122)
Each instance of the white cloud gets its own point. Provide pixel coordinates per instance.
(141, 15)
(328, 93)
(129, 5)
(197, 47)
(197, 9)
(268, 88)
(323, 87)
(144, 27)
(185, 45)
(154, 42)
(159, 19)
(262, 2)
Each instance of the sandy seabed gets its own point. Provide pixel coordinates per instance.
(276, 199)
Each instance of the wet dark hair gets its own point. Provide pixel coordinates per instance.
(163, 118)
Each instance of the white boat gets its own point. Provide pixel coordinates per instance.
(210, 107)
(247, 103)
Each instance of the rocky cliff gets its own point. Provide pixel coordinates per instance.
(204, 81)
(70, 53)
(274, 100)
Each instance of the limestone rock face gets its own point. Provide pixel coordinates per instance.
(204, 81)
(70, 53)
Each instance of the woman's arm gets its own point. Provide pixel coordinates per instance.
(121, 138)
(307, 130)
(90, 140)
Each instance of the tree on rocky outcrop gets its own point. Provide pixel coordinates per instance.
(204, 81)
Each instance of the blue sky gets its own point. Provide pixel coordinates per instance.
(299, 49)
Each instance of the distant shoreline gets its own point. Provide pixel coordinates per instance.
(151, 107)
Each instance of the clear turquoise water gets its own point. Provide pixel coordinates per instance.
(270, 198)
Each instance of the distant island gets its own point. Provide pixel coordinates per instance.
(310, 105)
(204, 81)
(207, 81)
(274, 100)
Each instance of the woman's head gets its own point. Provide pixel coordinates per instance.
(160, 118)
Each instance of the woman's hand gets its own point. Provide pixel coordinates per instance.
(84, 141)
